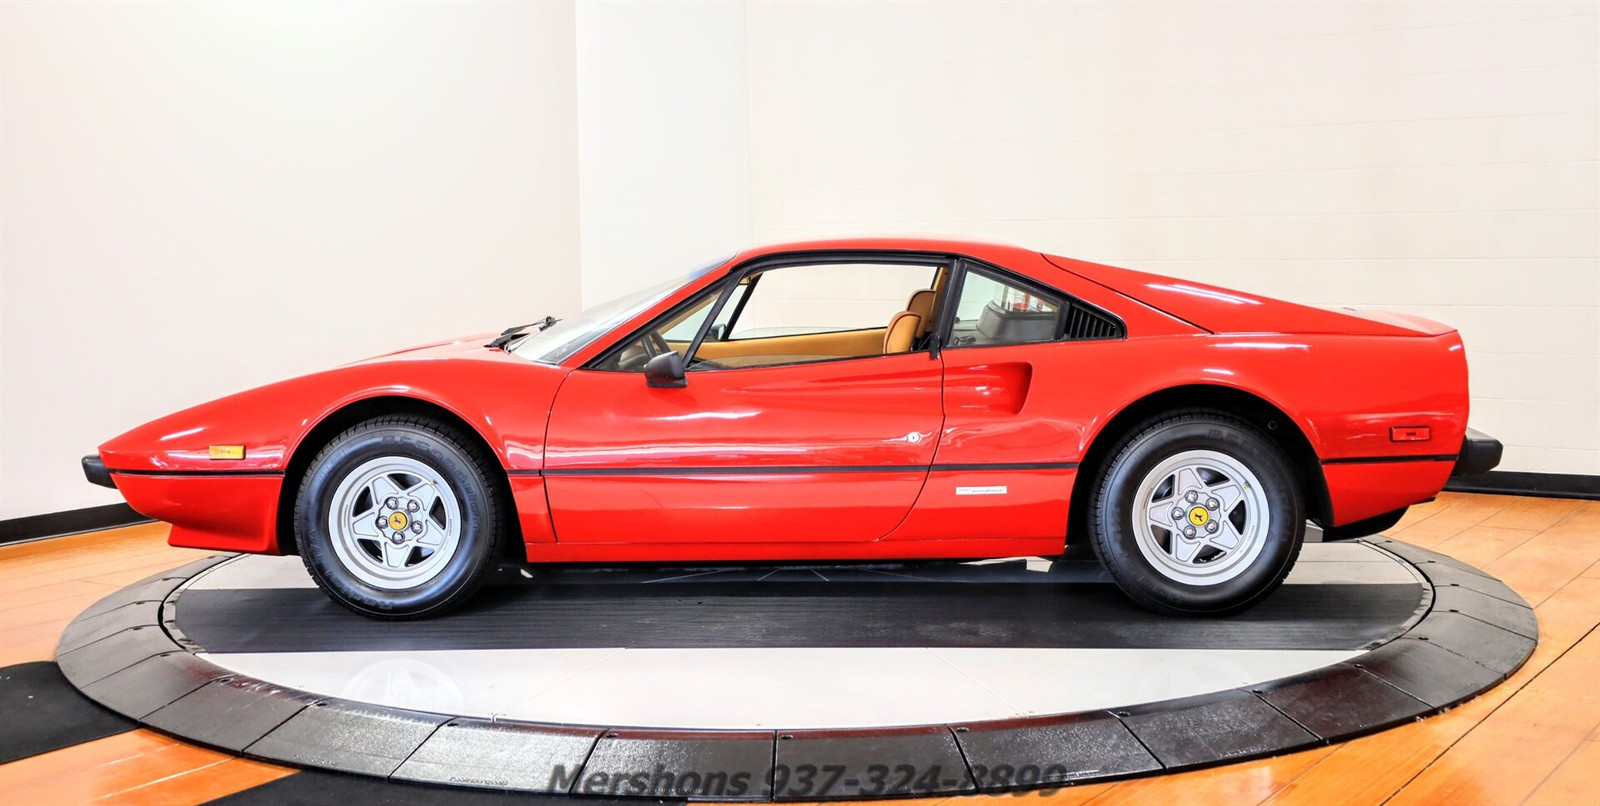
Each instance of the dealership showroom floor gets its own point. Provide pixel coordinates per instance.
(769, 669)
(800, 401)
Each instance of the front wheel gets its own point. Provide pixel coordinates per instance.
(399, 517)
(1197, 513)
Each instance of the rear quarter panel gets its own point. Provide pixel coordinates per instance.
(1343, 392)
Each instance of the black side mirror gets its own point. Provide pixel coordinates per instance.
(665, 371)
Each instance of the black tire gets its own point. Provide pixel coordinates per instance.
(1111, 515)
(483, 515)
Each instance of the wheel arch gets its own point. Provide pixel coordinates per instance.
(1281, 428)
(342, 418)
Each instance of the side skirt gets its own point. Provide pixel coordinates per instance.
(790, 552)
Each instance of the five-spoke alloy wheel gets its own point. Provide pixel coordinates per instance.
(399, 517)
(1196, 513)
(1200, 517)
(395, 522)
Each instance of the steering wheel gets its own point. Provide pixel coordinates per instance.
(654, 345)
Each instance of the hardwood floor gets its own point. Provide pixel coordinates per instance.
(1534, 739)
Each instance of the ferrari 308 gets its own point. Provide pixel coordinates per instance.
(850, 400)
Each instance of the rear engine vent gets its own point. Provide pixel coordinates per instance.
(1084, 322)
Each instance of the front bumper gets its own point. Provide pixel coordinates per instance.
(1480, 453)
(94, 469)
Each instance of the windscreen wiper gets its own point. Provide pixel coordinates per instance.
(511, 334)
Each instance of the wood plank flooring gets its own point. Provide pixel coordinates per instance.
(1534, 739)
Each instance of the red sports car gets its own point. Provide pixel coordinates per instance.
(835, 401)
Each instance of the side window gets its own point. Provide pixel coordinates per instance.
(794, 315)
(818, 312)
(730, 309)
(829, 298)
(671, 333)
(992, 311)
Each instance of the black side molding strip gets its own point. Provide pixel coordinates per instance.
(197, 472)
(1387, 460)
(1011, 466)
(747, 470)
(728, 471)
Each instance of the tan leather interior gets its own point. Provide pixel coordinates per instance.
(921, 303)
(901, 333)
(899, 337)
(805, 347)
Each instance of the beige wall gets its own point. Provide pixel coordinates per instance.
(663, 154)
(196, 199)
(1438, 158)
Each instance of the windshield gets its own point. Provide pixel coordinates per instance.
(566, 337)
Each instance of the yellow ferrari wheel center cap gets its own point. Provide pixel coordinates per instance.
(1197, 516)
(397, 521)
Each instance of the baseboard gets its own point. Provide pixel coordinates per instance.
(1542, 485)
(73, 521)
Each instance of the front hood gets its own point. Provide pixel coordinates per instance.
(504, 398)
(1223, 310)
(460, 347)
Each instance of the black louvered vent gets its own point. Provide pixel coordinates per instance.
(1084, 322)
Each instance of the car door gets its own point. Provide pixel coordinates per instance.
(790, 434)
(1006, 460)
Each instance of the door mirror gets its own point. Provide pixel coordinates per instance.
(665, 371)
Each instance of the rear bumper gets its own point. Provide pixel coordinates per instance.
(95, 471)
(1480, 453)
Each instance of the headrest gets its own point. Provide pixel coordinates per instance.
(901, 333)
(921, 304)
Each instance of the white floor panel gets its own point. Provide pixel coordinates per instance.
(1053, 681)
(477, 682)
(1344, 551)
(259, 572)
(771, 688)
(255, 572)
(1340, 572)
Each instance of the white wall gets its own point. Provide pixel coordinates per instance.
(663, 154)
(196, 199)
(1435, 157)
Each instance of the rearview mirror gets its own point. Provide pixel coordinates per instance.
(665, 371)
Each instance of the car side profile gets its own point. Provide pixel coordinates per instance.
(847, 400)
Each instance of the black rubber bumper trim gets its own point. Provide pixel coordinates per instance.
(1480, 453)
(94, 469)
(127, 653)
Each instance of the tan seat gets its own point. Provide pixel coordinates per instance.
(901, 333)
(921, 304)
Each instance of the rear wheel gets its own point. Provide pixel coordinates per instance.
(398, 517)
(1197, 513)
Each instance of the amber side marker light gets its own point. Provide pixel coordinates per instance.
(1410, 433)
(227, 452)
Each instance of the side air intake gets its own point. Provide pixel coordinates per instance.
(1084, 323)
